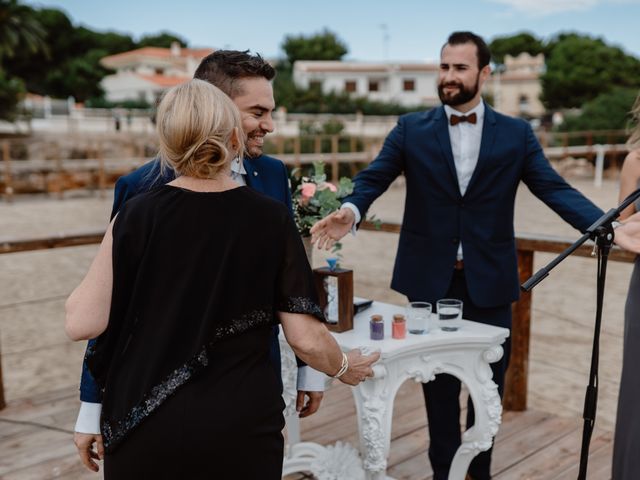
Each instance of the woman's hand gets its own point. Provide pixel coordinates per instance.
(360, 367)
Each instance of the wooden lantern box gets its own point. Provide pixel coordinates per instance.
(345, 296)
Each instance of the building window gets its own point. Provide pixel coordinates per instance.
(409, 85)
(523, 103)
(315, 85)
(159, 71)
(350, 86)
(374, 85)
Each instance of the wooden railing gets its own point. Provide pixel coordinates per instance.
(515, 397)
(516, 384)
(101, 167)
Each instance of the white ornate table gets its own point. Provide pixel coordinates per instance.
(465, 354)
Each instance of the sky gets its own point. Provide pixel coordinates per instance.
(404, 30)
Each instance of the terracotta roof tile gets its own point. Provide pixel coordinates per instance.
(164, 81)
(161, 53)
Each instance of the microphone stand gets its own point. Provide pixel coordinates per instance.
(602, 233)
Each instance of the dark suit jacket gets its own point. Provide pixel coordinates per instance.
(264, 174)
(437, 217)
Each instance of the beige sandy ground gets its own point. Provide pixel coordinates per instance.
(37, 357)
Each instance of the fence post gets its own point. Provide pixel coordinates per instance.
(515, 394)
(600, 152)
(334, 159)
(296, 152)
(102, 176)
(8, 178)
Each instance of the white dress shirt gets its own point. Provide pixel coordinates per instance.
(465, 140)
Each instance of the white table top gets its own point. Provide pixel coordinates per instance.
(468, 333)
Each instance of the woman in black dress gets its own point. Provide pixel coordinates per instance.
(626, 444)
(184, 291)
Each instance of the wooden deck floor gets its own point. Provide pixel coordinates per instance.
(36, 439)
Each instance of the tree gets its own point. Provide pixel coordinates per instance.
(11, 89)
(85, 40)
(579, 68)
(72, 65)
(608, 111)
(514, 45)
(19, 29)
(162, 39)
(78, 77)
(319, 46)
(20, 34)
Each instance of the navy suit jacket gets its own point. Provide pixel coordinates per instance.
(437, 217)
(264, 174)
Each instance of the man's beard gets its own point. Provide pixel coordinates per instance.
(463, 96)
(253, 150)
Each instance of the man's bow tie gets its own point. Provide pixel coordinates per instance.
(456, 119)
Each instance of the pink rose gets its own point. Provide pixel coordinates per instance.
(330, 186)
(308, 190)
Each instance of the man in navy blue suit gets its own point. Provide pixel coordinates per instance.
(246, 79)
(462, 163)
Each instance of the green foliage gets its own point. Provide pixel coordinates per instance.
(514, 45)
(579, 68)
(10, 91)
(314, 198)
(162, 39)
(20, 31)
(70, 65)
(78, 77)
(608, 111)
(324, 45)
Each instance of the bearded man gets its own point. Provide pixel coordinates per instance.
(463, 163)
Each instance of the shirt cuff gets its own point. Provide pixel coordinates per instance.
(356, 212)
(89, 418)
(310, 380)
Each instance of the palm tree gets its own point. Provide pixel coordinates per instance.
(19, 28)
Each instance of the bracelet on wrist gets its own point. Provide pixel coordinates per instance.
(343, 367)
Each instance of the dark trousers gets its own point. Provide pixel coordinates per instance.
(442, 395)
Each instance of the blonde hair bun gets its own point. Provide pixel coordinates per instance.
(196, 122)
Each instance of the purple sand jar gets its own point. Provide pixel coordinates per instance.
(376, 327)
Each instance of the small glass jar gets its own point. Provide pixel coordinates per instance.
(399, 327)
(376, 327)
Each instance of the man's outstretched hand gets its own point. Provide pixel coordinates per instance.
(326, 232)
(627, 235)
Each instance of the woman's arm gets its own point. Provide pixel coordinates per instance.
(89, 304)
(629, 176)
(312, 342)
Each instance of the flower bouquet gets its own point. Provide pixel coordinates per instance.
(314, 198)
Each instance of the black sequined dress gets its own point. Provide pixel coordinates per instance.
(188, 390)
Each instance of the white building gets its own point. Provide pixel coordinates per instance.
(516, 87)
(408, 84)
(143, 74)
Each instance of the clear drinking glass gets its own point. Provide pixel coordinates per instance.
(449, 314)
(418, 315)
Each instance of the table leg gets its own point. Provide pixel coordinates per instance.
(374, 404)
(488, 410)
